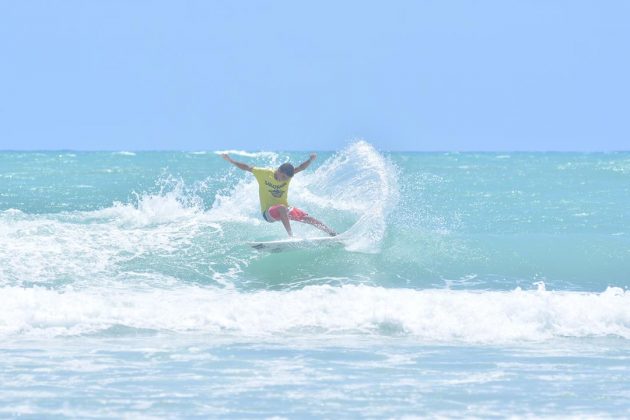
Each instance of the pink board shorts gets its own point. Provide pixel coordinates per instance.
(273, 214)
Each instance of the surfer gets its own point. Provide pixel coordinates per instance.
(273, 188)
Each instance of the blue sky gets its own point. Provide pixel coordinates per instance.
(292, 75)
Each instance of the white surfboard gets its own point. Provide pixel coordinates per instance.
(293, 244)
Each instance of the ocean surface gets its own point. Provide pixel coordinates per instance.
(468, 285)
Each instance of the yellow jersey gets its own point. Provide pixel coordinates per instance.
(270, 190)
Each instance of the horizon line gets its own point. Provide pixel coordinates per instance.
(301, 151)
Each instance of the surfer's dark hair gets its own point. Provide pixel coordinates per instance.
(287, 169)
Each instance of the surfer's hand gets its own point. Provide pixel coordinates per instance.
(313, 156)
(226, 157)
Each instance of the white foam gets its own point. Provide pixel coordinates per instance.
(12, 212)
(427, 315)
(149, 209)
(48, 250)
(89, 246)
(240, 204)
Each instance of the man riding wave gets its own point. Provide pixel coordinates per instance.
(273, 189)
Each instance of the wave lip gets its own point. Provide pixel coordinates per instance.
(425, 315)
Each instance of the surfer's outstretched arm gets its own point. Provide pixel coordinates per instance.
(305, 164)
(239, 165)
(319, 225)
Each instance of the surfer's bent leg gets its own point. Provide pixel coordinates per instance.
(300, 215)
(284, 214)
(318, 224)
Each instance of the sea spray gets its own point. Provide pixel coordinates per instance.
(363, 182)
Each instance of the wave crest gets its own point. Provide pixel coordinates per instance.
(426, 315)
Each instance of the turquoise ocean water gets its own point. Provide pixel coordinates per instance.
(469, 284)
